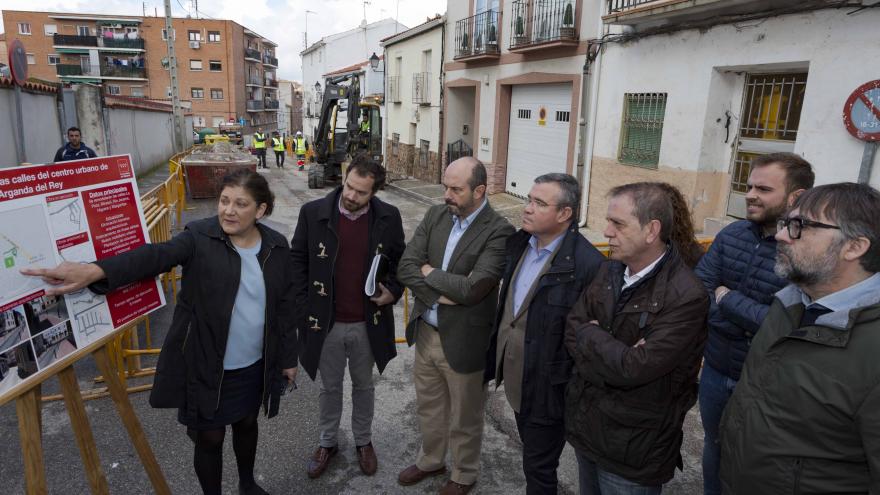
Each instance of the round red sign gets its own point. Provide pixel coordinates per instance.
(861, 112)
(18, 62)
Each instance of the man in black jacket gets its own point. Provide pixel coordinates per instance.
(337, 321)
(738, 274)
(548, 264)
(74, 149)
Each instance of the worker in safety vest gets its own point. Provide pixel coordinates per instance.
(365, 130)
(260, 146)
(300, 147)
(278, 147)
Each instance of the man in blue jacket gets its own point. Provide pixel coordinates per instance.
(74, 149)
(738, 273)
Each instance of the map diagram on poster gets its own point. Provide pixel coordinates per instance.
(78, 211)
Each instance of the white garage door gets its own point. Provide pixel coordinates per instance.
(537, 146)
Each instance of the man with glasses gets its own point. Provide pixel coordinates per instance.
(548, 264)
(738, 274)
(805, 417)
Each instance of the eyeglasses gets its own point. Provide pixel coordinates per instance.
(795, 226)
(537, 203)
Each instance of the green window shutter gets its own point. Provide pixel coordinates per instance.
(642, 128)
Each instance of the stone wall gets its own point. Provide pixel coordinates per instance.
(406, 163)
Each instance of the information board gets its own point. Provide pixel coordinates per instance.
(78, 211)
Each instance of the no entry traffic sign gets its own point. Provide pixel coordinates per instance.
(861, 113)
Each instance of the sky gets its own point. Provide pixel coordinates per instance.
(282, 21)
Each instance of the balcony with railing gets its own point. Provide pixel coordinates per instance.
(271, 83)
(73, 40)
(128, 71)
(255, 105)
(421, 88)
(270, 104)
(646, 14)
(270, 60)
(476, 37)
(253, 81)
(393, 95)
(126, 43)
(252, 55)
(539, 24)
(77, 70)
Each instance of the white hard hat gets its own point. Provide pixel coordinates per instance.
(299, 133)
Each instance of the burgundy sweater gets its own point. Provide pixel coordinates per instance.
(348, 280)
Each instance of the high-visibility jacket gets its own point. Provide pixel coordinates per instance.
(259, 140)
(300, 146)
(365, 126)
(277, 144)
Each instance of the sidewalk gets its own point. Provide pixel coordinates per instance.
(507, 205)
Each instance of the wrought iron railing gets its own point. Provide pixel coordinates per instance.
(615, 6)
(456, 150)
(123, 71)
(546, 20)
(270, 60)
(134, 44)
(393, 89)
(251, 53)
(74, 40)
(477, 34)
(421, 88)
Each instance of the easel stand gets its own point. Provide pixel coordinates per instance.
(27, 406)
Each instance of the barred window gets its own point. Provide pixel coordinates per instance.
(424, 146)
(524, 114)
(642, 128)
(395, 144)
(562, 116)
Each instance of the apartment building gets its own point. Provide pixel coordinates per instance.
(336, 52)
(290, 113)
(515, 87)
(226, 70)
(414, 77)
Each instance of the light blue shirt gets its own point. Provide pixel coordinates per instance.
(864, 293)
(459, 227)
(530, 268)
(244, 346)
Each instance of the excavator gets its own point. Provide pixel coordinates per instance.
(348, 125)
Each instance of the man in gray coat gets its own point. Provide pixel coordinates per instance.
(452, 265)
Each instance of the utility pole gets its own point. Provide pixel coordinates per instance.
(177, 111)
(306, 34)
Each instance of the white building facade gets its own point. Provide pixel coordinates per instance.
(688, 99)
(514, 85)
(413, 99)
(333, 53)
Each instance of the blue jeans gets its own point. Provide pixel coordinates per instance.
(715, 390)
(596, 481)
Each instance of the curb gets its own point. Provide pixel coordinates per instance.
(421, 198)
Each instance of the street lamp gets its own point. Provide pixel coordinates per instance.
(374, 62)
(317, 86)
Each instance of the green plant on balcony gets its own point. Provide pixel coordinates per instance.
(567, 29)
(465, 44)
(519, 31)
(493, 40)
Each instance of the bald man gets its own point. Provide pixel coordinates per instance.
(452, 265)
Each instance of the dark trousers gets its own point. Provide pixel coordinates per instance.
(261, 157)
(715, 390)
(279, 159)
(542, 446)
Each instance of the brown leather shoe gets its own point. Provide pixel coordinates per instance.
(453, 488)
(367, 459)
(319, 461)
(412, 475)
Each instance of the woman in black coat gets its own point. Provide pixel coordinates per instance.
(232, 340)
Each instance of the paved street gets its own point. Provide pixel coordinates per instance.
(287, 440)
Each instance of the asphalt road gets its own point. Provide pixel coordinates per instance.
(287, 440)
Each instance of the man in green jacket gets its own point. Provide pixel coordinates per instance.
(805, 416)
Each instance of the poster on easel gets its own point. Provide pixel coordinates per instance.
(78, 211)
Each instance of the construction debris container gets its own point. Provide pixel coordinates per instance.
(206, 168)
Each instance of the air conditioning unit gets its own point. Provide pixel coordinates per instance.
(194, 45)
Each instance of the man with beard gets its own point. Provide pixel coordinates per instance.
(334, 244)
(738, 273)
(452, 265)
(805, 417)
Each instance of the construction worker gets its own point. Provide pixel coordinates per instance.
(300, 147)
(278, 147)
(365, 130)
(260, 146)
